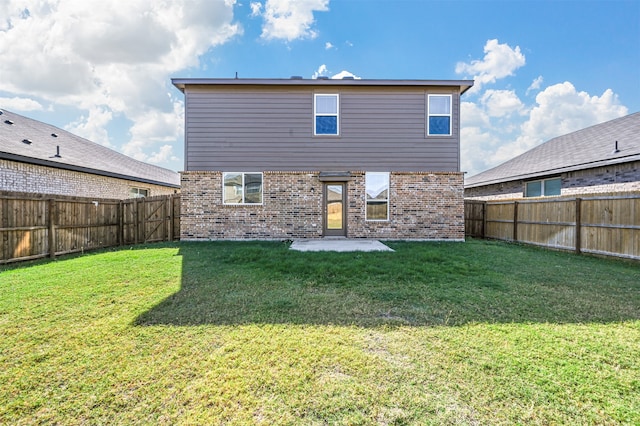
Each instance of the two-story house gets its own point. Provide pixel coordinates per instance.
(299, 158)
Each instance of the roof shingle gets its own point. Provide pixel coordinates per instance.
(27, 140)
(583, 149)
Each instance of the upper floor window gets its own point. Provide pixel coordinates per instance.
(242, 188)
(325, 111)
(439, 115)
(543, 188)
(377, 193)
(138, 192)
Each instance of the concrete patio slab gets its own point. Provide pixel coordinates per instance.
(338, 244)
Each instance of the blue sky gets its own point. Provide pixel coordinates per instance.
(102, 70)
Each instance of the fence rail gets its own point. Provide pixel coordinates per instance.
(605, 225)
(34, 226)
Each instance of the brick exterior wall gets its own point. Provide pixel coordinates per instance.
(617, 178)
(423, 206)
(31, 178)
(608, 179)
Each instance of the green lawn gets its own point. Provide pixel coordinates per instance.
(253, 333)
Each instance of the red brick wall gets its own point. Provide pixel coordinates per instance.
(422, 206)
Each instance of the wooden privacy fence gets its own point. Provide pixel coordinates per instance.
(32, 226)
(606, 225)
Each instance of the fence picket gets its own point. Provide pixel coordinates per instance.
(600, 224)
(33, 226)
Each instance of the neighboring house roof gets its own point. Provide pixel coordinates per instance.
(30, 141)
(592, 147)
(180, 83)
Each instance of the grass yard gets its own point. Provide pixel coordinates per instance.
(252, 333)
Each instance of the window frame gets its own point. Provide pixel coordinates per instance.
(387, 200)
(449, 115)
(316, 114)
(543, 185)
(135, 192)
(243, 186)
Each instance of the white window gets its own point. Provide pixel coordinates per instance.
(242, 188)
(326, 111)
(543, 188)
(377, 196)
(439, 115)
(138, 192)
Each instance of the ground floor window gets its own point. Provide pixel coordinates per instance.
(242, 188)
(377, 196)
(138, 192)
(543, 187)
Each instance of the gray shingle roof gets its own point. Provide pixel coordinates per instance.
(31, 141)
(583, 149)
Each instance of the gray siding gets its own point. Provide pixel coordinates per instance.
(253, 128)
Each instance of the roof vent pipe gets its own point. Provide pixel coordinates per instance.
(27, 141)
(57, 152)
(615, 148)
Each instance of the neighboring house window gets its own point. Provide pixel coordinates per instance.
(377, 193)
(543, 188)
(439, 115)
(138, 192)
(325, 111)
(242, 188)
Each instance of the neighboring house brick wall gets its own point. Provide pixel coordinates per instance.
(423, 205)
(497, 191)
(614, 178)
(31, 178)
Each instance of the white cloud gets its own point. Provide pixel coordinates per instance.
(500, 61)
(501, 103)
(256, 8)
(535, 84)
(291, 19)
(561, 109)
(107, 57)
(20, 104)
(343, 74)
(321, 71)
(164, 155)
(488, 140)
(328, 46)
(152, 128)
(473, 115)
(93, 127)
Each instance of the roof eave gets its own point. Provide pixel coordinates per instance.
(181, 83)
(542, 173)
(71, 167)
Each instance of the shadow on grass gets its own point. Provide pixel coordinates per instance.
(421, 284)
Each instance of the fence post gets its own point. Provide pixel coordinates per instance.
(143, 221)
(136, 222)
(52, 228)
(484, 219)
(120, 223)
(170, 200)
(578, 229)
(515, 221)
